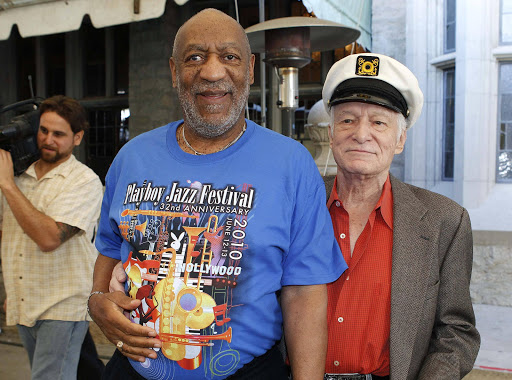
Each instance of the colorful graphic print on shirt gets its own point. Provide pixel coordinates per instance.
(185, 263)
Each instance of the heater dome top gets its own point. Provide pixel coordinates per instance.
(324, 34)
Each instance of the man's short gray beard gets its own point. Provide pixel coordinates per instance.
(202, 126)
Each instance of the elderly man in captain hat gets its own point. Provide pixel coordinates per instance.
(403, 309)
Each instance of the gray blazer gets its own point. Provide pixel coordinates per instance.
(433, 334)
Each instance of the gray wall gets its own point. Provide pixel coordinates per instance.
(153, 101)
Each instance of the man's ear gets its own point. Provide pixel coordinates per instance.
(77, 138)
(172, 65)
(330, 135)
(401, 143)
(251, 68)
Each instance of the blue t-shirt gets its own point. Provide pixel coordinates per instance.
(207, 241)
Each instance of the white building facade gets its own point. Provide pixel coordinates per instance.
(461, 147)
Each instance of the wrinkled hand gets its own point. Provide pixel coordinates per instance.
(107, 311)
(6, 168)
(118, 279)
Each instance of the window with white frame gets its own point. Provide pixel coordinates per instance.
(448, 123)
(504, 169)
(449, 25)
(506, 22)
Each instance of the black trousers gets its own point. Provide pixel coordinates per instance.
(269, 366)
(90, 365)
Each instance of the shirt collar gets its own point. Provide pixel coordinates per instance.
(334, 193)
(385, 201)
(63, 169)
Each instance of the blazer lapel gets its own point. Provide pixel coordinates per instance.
(413, 246)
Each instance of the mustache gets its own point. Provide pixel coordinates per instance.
(47, 147)
(223, 85)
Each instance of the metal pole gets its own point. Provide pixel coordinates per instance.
(263, 79)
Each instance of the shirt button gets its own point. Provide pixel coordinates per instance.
(338, 204)
(342, 236)
(348, 277)
(340, 319)
(336, 363)
(22, 299)
(21, 278)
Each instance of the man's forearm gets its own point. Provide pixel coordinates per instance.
(305, 329)
(42, 229)
(102, 273)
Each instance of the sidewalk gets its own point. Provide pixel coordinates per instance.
(494, 361)
(495, 326)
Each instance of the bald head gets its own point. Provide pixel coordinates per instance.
(210, 20)
(212, 69)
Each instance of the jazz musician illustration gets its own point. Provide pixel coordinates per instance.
(182, 271)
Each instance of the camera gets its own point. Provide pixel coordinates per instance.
(20, 136)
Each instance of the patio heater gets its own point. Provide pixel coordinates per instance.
(287, 43)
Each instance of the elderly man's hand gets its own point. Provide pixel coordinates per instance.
(107, 311)
(118, 279)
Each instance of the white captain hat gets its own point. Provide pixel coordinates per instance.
(376, 79)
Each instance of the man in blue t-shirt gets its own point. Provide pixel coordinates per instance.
(212, 217)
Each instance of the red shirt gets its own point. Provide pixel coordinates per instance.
(359, 305)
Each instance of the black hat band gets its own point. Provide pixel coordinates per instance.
(374, 91)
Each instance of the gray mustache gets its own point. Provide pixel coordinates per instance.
(217, 86)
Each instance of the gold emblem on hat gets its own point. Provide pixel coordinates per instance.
(367, 66)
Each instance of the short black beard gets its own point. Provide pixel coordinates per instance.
(52, 160)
